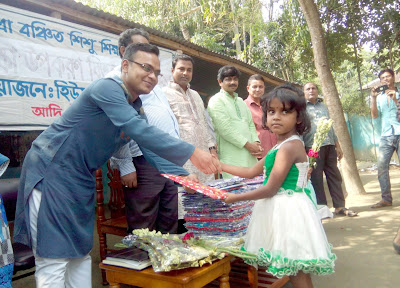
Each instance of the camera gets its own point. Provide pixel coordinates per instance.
(382, 88)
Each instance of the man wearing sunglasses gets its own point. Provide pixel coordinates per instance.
(55, 206)
(151, 201)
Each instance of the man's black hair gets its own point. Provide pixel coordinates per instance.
(227, 71)
(384, 71)
(131, 50)
(125, 38)
(182, 57)
(255, 77)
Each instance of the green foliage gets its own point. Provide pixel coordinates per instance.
(214, 43)
(229, 26)
(353, 103)
(284, 49)
(383, 32)
(281, 44)
(353, 100)
(180, 17)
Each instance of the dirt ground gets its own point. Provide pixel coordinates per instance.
(363, 244)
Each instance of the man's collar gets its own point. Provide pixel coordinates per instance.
(116, 78)
(175, 85)
(235, 95)
(251, 100)
(119, 80)
(319, 100)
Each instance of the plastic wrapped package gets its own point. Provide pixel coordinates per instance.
(168, 252)
(206, 216)
(171, 252)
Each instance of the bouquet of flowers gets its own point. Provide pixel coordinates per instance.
(323, 127)
(170, 252)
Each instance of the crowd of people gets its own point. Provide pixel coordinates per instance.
(150, 130)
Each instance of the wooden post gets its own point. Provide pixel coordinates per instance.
(101, 218)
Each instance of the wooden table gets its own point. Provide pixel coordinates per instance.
(185, 278)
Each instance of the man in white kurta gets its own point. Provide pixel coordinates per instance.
(188, 108)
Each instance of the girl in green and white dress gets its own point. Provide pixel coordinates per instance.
(285, 230)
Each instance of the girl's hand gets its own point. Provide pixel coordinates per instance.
(191, 177)
(230, 198)
(309, 172)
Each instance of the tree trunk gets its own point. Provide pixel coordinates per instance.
(355, 46)
(351, 177)
(245, 59)
(357, 64)
(185, 31)
(251, 44)
(236, 30)
(391, 50)
(270, 10)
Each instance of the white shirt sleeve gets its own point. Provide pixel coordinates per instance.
(122, 159)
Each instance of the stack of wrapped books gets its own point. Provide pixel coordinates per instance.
(208, 216)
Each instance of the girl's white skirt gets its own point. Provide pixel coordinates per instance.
(286, 233)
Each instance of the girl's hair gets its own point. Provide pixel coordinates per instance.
(291, 98)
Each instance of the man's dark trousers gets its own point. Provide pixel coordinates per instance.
(154, 203)
(327, 163)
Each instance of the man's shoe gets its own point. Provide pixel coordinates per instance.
(381, 204)
(396, 247)
(396, 242)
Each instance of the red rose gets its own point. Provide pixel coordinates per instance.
(187, 236)
(312, 153)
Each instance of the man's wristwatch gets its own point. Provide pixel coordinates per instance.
(212, 148)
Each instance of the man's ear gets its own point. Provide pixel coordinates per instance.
(124, 65)
(122, 51)
(219, 82)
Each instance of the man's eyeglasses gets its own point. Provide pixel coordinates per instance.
(147, 68)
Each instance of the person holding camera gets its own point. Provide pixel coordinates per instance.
(384, 106)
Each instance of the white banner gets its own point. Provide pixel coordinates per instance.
(45, 63)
